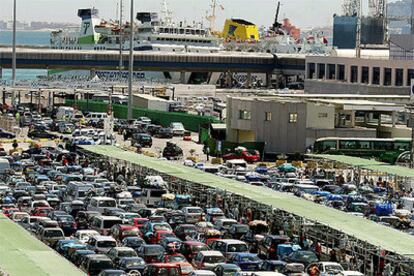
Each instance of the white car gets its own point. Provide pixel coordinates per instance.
(145, 120)
(83, 235)
(177, 129)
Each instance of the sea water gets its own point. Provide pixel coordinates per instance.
(27, 38)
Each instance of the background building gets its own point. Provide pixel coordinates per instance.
(289, 124)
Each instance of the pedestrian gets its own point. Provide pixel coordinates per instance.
(332, 256)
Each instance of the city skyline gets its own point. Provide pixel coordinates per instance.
(190, 10)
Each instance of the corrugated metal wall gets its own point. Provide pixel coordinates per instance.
(190, 122)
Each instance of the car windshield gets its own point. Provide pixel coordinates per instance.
(134, 262)
(106, 244)
(237, 248)
(176, 259)
(101, 264)
(241, 229)
(333, 267)
(306, 255)
(110, 223)
(162, 227)
(53, 234)
(194, 211)
(134, 242)
(107, 203)
(249, 259)
(153, 250)
(126, 253)
(168, 272)
(214, 259)
(196, 248)
(66, 219)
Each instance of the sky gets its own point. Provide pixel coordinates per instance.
(303, 13)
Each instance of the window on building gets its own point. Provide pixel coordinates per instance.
(387, 76)
(323, 115)
(321, 67)
(245, 115)
(341, 72)
(354, 74)
(365, 75)
(331, 71)
(268, 116)
(410, 76)
(293, 117)
(376, 75)
(399, 77)
(311, 71)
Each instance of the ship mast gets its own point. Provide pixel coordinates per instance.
(212, 17)
(167, 13)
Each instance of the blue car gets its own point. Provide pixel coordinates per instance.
(246, 261)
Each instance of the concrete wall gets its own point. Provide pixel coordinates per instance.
(333, 87)
(279, 134)
(394, 132)
(320, 116)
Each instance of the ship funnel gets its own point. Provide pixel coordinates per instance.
(90, 19)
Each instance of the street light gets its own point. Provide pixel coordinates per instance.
(14, 45)
(131, 61)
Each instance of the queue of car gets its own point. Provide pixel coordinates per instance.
(116, 228)
(374, 202)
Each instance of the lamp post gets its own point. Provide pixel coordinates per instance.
(14, 45)
(121, 45)
(131, 61)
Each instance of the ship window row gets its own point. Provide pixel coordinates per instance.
(183, 40)
(384, 76)
(182, 31)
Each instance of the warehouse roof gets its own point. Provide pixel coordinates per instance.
(378, 235)
(21, 254)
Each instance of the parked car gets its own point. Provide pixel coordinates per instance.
(50, 236)
(95, 263)
(177, 128)
(302, 256)
(164, 133)
(246, 261)
(142, 139)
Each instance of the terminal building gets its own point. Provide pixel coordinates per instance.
(290, 124)
(373, 74)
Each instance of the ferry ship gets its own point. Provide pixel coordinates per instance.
(151, 33)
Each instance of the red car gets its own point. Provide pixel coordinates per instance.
(8, 212)
(190, 249)
(176, 258)
(120, 231)
(248, 156)
(41, 211)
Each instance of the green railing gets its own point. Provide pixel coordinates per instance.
(190, 122)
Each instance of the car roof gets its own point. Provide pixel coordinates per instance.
(230, 241)
(98, 257)
(104, 238)
(211, 253)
